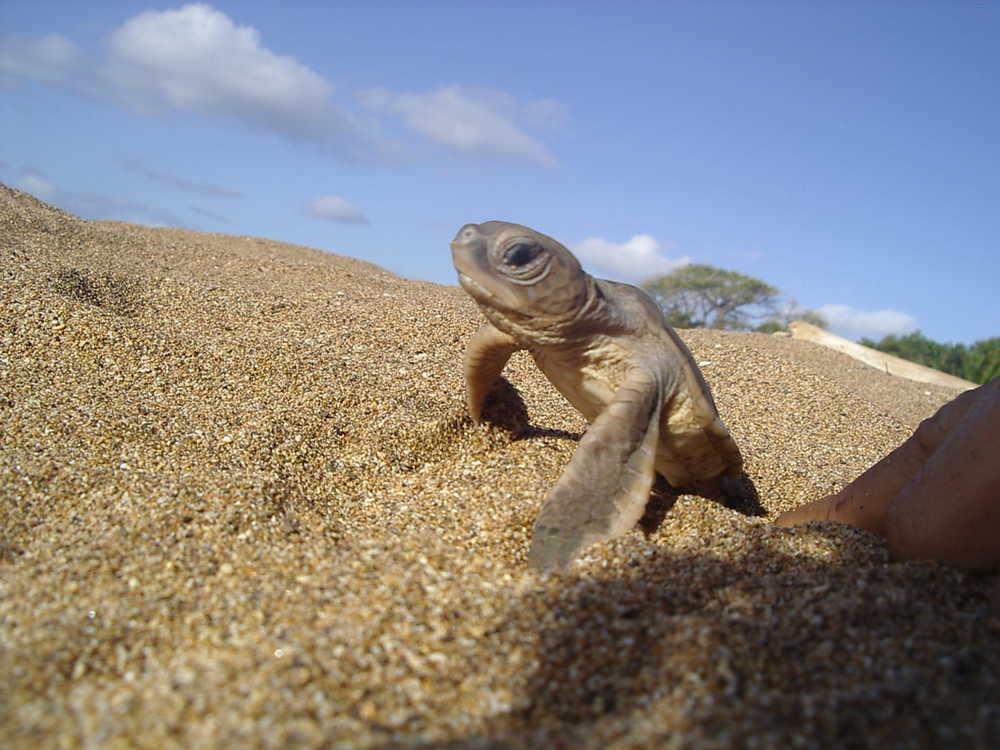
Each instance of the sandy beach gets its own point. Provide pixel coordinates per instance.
(241, 506)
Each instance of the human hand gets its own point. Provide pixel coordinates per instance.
(937, 496)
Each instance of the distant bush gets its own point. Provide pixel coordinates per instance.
(982, 361)
(979, 363)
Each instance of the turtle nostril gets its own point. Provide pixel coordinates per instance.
(467, 235)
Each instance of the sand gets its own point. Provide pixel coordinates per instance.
(240, 507)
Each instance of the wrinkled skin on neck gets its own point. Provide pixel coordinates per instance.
(526, 283)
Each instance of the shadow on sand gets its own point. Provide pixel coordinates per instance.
(770, 648)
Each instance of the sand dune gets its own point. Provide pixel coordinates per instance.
(887, 363)
(240, 507)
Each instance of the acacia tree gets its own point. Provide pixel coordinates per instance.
(701, 296)
(788, 312)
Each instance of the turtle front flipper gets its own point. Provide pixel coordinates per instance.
(603, 491)
(485, 356)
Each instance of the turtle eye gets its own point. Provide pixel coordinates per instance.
(521, 254)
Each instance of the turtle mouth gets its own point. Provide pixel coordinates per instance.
(468, 284)
(487, 299)
(474, 288)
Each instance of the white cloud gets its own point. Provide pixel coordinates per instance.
(635, 260)
(209, 214)
(196, 59)
(95, 206)
(335, 208)
(474, 122)
(104, 207)
(188, 186)
(47, 59)
(32, 182)
(852, 323)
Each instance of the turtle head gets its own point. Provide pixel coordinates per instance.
(518, 272)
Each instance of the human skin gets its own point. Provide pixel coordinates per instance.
(937, 496)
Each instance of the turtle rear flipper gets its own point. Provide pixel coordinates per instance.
(741, 495)
(735, 493)
(604, 490)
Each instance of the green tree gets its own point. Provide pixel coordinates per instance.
(700, 296)
(979, 363)
(918, 348)
(982, 361)
(791, 311)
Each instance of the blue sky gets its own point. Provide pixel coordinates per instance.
(846, 152)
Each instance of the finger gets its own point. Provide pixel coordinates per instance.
(950, 510)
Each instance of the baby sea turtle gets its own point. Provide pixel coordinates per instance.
(608, 349)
